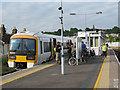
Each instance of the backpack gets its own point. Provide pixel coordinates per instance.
(71, 49)
(55, 49)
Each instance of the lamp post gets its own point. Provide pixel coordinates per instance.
(62, 29)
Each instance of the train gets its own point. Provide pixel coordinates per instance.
(27, 49)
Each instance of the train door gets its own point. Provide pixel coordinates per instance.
(51, 48)
(54, 45)
(46, 49)
(54, 42)
(41, 51)
(41, 46)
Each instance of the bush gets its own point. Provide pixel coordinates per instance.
(4, 69)
(5, 60)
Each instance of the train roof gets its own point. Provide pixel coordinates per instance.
(38, 35)
(53, 36)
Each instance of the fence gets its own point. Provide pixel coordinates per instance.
(4, 49)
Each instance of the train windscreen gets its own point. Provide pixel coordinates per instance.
(16, 44)
(23, 46)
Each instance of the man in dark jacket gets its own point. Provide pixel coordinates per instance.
(58, 52)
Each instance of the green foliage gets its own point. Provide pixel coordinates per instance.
(4, 69)
(88, 29)
(66, 33)
(70, 32)
(4, 60)
(114, 30)
(113, 38)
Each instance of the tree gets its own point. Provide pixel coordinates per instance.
(14, 31)
(115, 30)
(80, 30)
(88, 29)
(66, 33)
(72, 31)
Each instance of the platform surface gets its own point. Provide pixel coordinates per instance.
(83, 75)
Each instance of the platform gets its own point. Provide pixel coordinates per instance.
(96, 73)
(111, 72)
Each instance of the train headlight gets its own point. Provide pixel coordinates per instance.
(30, 57)
(12, 57)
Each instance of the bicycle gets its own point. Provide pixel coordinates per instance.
(92, 52)
(85, 54)
(72, 60)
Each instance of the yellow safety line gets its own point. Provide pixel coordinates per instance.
(98, 79)
(28, 74)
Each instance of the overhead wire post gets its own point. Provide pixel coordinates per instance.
(62, 29)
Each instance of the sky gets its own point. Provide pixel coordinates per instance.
(37, 16)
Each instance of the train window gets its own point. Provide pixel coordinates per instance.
(83, 37)
(16, 44)
(46, 46)
(41, 47)
(29, 44)
(96, 41)
(74, 45)
(50, 44)
(91, 41)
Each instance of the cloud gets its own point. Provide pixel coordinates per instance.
(32, 15)
(106, 20)
(0, 13)
(59, 0)
(44, 16)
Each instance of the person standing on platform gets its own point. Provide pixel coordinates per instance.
(83, 51)
(70, 51)
(104, 49)
(58, 52)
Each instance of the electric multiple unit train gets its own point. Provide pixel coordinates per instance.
(28, 49)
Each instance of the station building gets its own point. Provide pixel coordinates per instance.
(93, 40)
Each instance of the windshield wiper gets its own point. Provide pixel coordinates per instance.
(17, 47)
(28, 49)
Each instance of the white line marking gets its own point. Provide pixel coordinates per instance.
(116, 57)
(19, 70)
(116, 81)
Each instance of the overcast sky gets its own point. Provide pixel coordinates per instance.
(44, 16)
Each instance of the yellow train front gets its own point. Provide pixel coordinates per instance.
(23, 51)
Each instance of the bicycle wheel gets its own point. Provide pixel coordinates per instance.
(72, 61)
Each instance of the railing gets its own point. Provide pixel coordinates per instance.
(4, 49)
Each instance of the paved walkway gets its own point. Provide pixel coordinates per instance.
(110, 75)
(83, 75)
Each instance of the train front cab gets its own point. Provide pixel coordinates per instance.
(23, 51)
